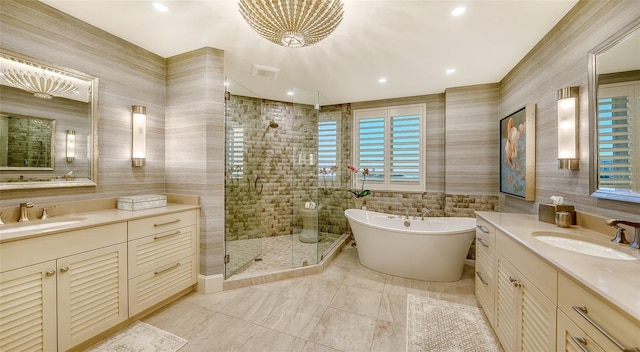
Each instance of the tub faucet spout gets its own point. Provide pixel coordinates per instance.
(425, 211)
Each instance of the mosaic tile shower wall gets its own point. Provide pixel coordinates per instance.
(277, 174)
(29, 141)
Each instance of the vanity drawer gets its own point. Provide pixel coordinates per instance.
(49, 247)
(538, 272)
(485, 233)
(161, 283)
(150, 252)
(621, 327)
(161, 223)
(571, 338)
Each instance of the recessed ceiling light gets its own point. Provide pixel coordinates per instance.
(160, 7)
(458, 11)
(382, 80)
(290, 92)
(451, 71)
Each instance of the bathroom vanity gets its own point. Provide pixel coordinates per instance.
(64, 285)
(539, 297)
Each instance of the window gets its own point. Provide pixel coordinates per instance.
(235, 152)
(390, 143)
(618, 117)
(328, 149)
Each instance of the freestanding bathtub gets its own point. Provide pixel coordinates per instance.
(433, 249)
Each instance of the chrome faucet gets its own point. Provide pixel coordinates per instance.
(425, 211)
(24, 212)
(620, 234)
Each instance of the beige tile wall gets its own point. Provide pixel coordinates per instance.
(195, 143)
(128, 76)
(472, 140)
(560, 60)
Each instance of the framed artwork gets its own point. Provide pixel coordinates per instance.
(518, 153)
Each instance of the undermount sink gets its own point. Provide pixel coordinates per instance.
(39, 225)
(569, 243)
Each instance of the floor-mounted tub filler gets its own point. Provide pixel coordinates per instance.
(433, 249)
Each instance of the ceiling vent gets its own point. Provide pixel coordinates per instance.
(265, 71)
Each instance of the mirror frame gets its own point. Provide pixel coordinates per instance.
(92, 179)
(593, 115)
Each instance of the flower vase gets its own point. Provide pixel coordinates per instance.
(358, 203)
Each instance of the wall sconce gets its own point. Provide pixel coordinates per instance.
(139, 136)
(568, 128)
(71, 145)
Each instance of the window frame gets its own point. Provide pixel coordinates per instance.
(388, 113)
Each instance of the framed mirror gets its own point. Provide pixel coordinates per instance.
(48, 125)
(614, 116)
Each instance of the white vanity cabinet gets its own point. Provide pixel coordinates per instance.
(60, 290)
(162, 258)
(485, 282)
(599, 322)
(525, 318)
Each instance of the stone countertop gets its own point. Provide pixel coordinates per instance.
(617, 281)
(88, 220)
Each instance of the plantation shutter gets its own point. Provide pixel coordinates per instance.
(328, 148)
(235, 152)
(617, 109)
(405, 149)
(371, 147)
(390, 143)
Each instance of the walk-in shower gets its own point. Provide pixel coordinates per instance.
(281, 210)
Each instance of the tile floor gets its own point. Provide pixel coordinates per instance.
(347, 307)
(277, 253)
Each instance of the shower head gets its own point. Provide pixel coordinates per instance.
(273, 124)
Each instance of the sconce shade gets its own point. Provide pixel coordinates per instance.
(568, 128)
(71, 145)
(139, 135)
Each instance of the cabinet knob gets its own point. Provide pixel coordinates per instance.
(50, 273)
(64, 269)
(514, 282)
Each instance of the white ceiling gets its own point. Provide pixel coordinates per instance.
(410, 43)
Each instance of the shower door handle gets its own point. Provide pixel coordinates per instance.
(255, 185)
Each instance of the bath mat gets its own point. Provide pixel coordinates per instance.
(140, 337)
(435, 325)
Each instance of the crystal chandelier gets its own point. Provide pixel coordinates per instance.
(292, 23)
(45, 84)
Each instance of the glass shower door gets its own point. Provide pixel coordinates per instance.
(243, 185)
(305, 178)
